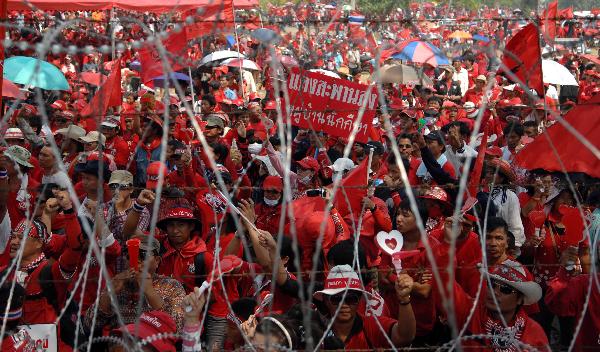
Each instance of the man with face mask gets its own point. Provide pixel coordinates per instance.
(268, 212)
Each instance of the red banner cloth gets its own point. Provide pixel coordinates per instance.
(329, 104)
(152, 65)
(109, 93)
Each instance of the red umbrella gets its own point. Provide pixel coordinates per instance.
(93, 78)
(569, 151)
(11, 90)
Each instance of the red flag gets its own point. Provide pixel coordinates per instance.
(549, 24)
(567, 13)
(152, 65)
(522, 57)
(352, 189)
(216, 16)
(109, 93)
(475, 176)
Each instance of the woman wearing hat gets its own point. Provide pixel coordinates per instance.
(554, 245)
(500, 322)
(16, 161)
(500, 176)
(341, 296)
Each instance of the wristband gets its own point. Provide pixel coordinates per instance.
(68, 211)
(405, 303)
(3, 174)
(137, 207)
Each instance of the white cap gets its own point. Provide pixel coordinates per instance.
(343, 164)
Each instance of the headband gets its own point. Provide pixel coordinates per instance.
(282, 328)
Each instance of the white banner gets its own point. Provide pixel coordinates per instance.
(44, 336)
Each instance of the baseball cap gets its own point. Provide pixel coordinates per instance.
(14, 133)
(153, 171)
(121, 177)
(153, 324)
(73, 131)
(93, 137)
(309, 163)
(273, 182)
(340, 279)
(111, 122)
(481, 78)
(214, 120)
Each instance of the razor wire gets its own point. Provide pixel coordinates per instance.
(286, 131)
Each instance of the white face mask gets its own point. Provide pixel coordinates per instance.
(254, 148)
(270, 202)
(305, 180)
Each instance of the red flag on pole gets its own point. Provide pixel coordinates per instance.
(216, 16)
(549, 24)
(352, 189)
(475, 176)
(109, 93)
(152, 65)
(522, 56)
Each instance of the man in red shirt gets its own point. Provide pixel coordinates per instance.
(114, 144)
(342, 294)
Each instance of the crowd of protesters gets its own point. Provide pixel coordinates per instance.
(165, 222)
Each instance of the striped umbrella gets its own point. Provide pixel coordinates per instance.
(421, 52)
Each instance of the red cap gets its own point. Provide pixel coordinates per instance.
(59, 105)
(271, 105)
(153, 171)
(309, 163)
(274, 183)
(494, 151)
(151, 324)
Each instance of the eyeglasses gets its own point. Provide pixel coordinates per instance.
(502, 288)
(351, 299)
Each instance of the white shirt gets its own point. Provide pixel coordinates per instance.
(510, 211)
(462, 76)
(458, 159)
(60, 178)
(5, 229)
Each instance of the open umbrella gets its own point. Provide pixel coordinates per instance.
(481, 38)
(265, 35)
(32, 72)
(243, 63)
(555, 73)
(460, 35)
(569, 151)
(403, 74)
(159, 81)
(11, 90)
(325, 72)
(220, 56)
(93, 78)
(421, 52)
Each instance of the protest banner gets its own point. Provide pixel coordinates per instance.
(44, 335)
(330, 104)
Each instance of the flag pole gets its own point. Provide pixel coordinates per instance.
(237, 42)
(192, 89)
(3, 11)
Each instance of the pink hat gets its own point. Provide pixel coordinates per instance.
(153, 171)
(152, 324)
(513, 274)
(309, 163)
(273, 182)
(14, 133)
(340, 279)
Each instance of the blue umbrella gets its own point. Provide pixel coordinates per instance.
(481, 38)
(173, 76)
(33, 72)
(423, 52)
(265, 35)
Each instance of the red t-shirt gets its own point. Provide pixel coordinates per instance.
(366, 333)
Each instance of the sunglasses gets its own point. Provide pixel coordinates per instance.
(115, 186)
(351, 299)
(210, 127)
(404, 146)
(502, 288)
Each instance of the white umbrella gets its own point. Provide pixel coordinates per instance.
(325, 72)
(555, 73)
(221, 55)
(244, 63)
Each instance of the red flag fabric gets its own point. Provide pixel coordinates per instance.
(522, 57)
(218, 16)
(109, 93)
(566, 13)
(567, 150)
(549, 24)
(352, 189)
(152, 65)
(475, 176)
